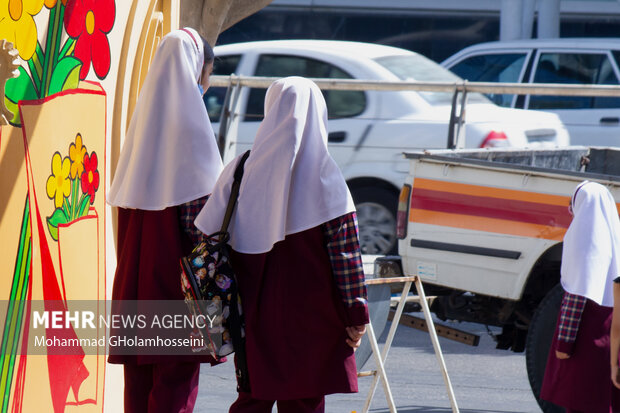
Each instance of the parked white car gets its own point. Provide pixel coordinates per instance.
(369, 130)
(590, 121)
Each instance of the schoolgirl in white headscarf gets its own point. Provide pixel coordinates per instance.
(291, 183)
(591, 252)
(168, 164)
(577, 375)
(295, 251)
(170, 155)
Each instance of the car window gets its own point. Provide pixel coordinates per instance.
(574, 68)
(500, 67)
(415, 67)
(214, 98)
(616, 55)
(340, 103)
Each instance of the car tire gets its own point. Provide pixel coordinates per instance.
(376, 214)
(538, 342)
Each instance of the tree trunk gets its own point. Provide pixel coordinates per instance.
(211, 17)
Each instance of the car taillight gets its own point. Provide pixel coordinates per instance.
(494, 139)
(403, 212)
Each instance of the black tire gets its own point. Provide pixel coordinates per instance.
(538, 343)
(376, 213)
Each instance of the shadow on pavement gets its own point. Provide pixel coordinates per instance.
(427, 409)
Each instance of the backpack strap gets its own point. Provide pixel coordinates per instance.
(234, 192)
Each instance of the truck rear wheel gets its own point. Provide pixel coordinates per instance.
(376, 214)
(538, 343)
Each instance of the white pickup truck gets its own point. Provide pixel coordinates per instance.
(483, 229)
(368, 129)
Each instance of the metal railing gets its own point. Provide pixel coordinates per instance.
(235, 83)
(461, 87)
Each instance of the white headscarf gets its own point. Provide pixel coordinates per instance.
(291, 183)
(170, 155)
(590, 257)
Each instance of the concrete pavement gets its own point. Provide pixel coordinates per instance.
(484, 379)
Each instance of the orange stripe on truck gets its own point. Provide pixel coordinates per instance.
(487, 191)
(498, 226)
(481, 208)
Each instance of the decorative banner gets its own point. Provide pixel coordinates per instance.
(58, 62)
(67, 216)
(52, 181)
(52, 178)
(15, 265)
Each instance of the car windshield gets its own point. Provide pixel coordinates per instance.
(415, 67)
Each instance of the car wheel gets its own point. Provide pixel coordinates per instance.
(539, 337)
(376, 215)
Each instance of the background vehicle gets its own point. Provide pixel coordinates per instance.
(436, 29)
(369, 130)
(483, 229)
(591, 121)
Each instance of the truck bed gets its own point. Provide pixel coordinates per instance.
(588, 162)
(485, 220)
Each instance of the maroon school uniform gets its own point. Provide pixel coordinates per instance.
(582, 382)
(169, 156)
(150, 245)
(296, 256)
(295, 321)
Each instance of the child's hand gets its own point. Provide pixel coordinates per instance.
(615, 375)
(355, 334)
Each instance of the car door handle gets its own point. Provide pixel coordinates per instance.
(336, 137)
(610, 121)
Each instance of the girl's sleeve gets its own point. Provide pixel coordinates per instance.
(568, 325)
(187, 214)
(342, 241)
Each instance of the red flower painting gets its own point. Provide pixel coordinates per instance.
(89, 22)
(90, 176)
(69, 175)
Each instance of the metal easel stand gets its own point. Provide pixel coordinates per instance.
(381, 356)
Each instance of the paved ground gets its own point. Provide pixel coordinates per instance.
(484, 379)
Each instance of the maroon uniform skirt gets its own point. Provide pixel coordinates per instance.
(150, 245)
(295, 321)
(583, 382)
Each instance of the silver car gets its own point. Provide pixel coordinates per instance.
(590, 121)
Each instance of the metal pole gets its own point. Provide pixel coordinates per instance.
(548, 19)
(527, 20)
(548, 89)
(509, 20)
(232, 119)
(460, 122)
(224, 116)
(452, 123)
